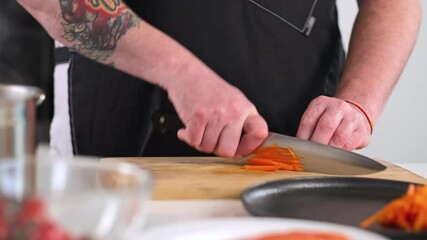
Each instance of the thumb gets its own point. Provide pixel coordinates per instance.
(255, 132)
(182, 134)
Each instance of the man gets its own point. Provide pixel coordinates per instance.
(232, 70)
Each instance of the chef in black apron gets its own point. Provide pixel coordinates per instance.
(280, 54)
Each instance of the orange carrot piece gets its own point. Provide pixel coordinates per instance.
(287, 167)
(260, 161)
(292, 152)
(299, 168)
(411, 190)
(271, 150)
(280, 158)
(261, 167)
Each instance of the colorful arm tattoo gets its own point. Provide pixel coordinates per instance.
(95, 26)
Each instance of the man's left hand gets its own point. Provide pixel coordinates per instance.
(335, 122)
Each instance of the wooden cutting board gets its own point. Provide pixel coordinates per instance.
(218, 178)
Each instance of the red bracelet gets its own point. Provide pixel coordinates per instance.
(371, 123)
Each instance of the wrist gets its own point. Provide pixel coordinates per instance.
(370, 101)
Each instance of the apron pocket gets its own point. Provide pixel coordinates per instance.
(296, 14)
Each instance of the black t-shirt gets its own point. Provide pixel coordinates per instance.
(280, 54)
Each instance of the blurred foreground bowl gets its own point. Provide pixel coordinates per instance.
(86, 198)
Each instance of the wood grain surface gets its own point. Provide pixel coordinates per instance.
(177, 178)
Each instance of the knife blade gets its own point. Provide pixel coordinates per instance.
(325, 159)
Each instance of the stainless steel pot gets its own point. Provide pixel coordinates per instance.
(18, 121)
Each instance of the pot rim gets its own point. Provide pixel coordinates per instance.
(17, 93)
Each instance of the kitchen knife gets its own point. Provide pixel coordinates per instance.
(317, 158)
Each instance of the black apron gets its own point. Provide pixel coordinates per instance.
(280, 53)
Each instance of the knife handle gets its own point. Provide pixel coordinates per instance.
(164, 122)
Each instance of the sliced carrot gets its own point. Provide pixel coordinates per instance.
(292, 152)
(411, 190)
(280, 158)
(260, 161)
(261, 168)
(286, 167)
(285, 159)
(299, 168)
(272, 150)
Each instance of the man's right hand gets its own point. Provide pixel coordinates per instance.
(216, 115)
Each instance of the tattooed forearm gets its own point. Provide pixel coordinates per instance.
(95, 26)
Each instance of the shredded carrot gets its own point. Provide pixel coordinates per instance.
(292, 152)
(408, 212)
(301, 236)
(260, 161)
(280, 158)
(274, 158)
(261, 168)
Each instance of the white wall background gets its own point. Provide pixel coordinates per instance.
(401, 131)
